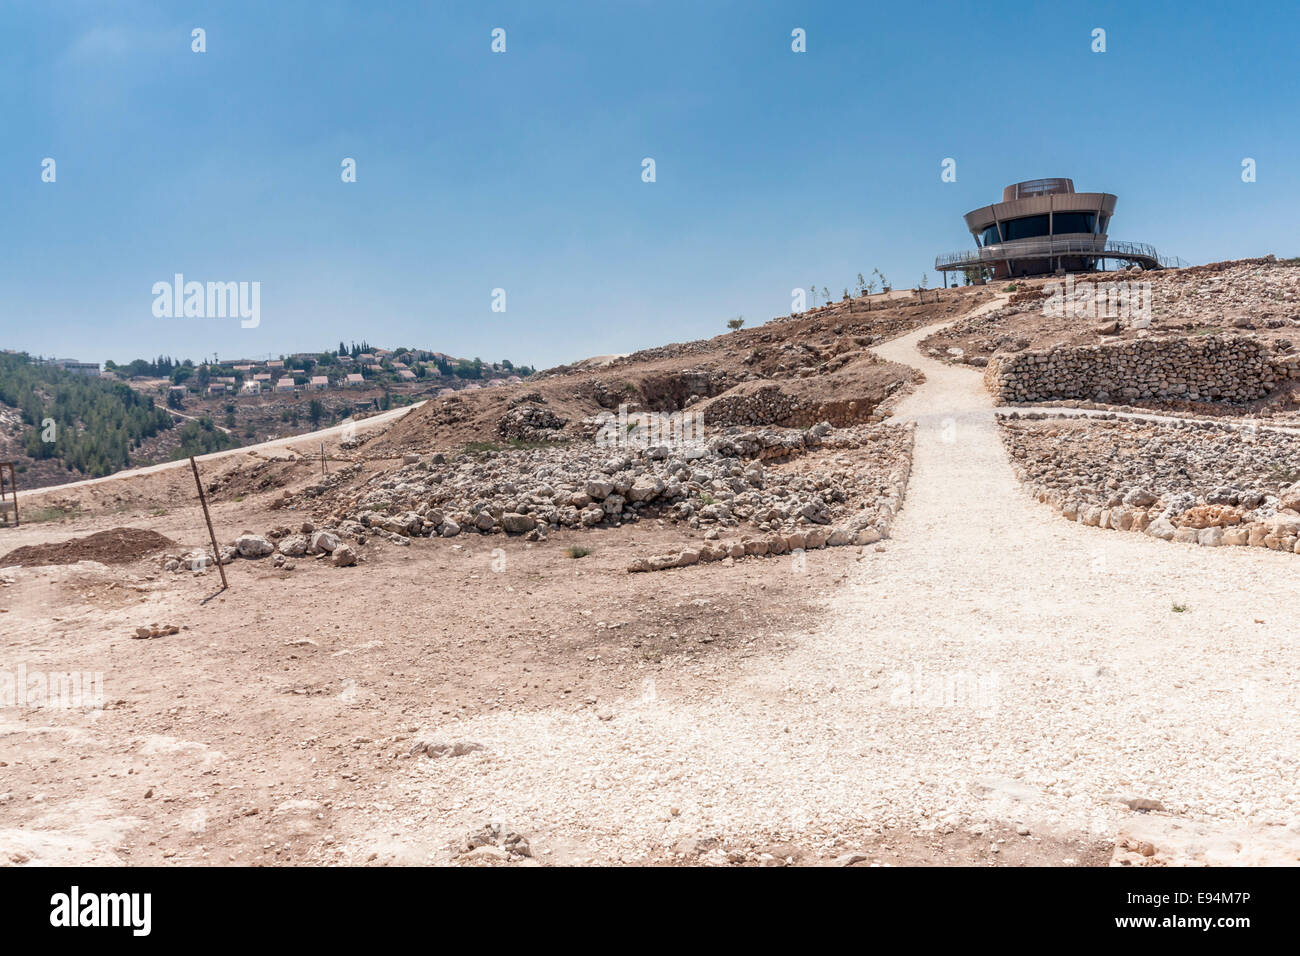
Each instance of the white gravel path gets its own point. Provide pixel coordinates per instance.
(1071, 684)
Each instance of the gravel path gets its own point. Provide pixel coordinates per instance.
(991, 663)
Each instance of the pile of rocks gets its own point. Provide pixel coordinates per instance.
(424, 747)
(326, 542)
(763, 405)
(531, 422)
(808, 532)
(281, 544)
(718, 483)
(1194, 482)
(1210, 369)
(493, 842)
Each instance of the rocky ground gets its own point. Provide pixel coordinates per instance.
(1260, 296)
(770, 491)
(1196, 482)
(808, 487)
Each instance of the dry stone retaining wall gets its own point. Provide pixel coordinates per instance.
(1211, 369)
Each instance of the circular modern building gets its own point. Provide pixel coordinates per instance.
(1043, 226)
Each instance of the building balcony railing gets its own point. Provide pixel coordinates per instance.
(1050, 248)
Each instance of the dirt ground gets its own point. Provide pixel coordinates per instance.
(281, 716)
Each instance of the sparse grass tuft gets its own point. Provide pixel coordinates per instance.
(577, 551)
(48, 513)
(1179, 608)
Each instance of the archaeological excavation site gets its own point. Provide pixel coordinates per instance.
(712, 603)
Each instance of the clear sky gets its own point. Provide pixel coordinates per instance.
(523, 170)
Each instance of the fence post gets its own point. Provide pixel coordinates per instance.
(203, 500)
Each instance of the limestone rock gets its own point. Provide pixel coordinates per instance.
(518, 523)
(324, 542)
(253, 546)
(294, 546)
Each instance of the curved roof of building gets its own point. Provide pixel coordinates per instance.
(977, 220)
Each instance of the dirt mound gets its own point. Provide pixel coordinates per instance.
(808, 367)
(115, 546)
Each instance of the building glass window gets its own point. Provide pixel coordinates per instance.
(1030, 227)
(1064, 222)
(990, 236)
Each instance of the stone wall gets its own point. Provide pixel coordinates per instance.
(1206, 483)
(1209, 369)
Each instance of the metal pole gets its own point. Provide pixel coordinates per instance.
(13, 487)
(216, 551)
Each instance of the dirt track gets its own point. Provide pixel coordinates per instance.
(305, 445)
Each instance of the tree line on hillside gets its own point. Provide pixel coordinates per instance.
(89, 425)
(462, 368)
(163, 366)
(301, 367)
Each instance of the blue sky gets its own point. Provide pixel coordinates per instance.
(522, 170)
